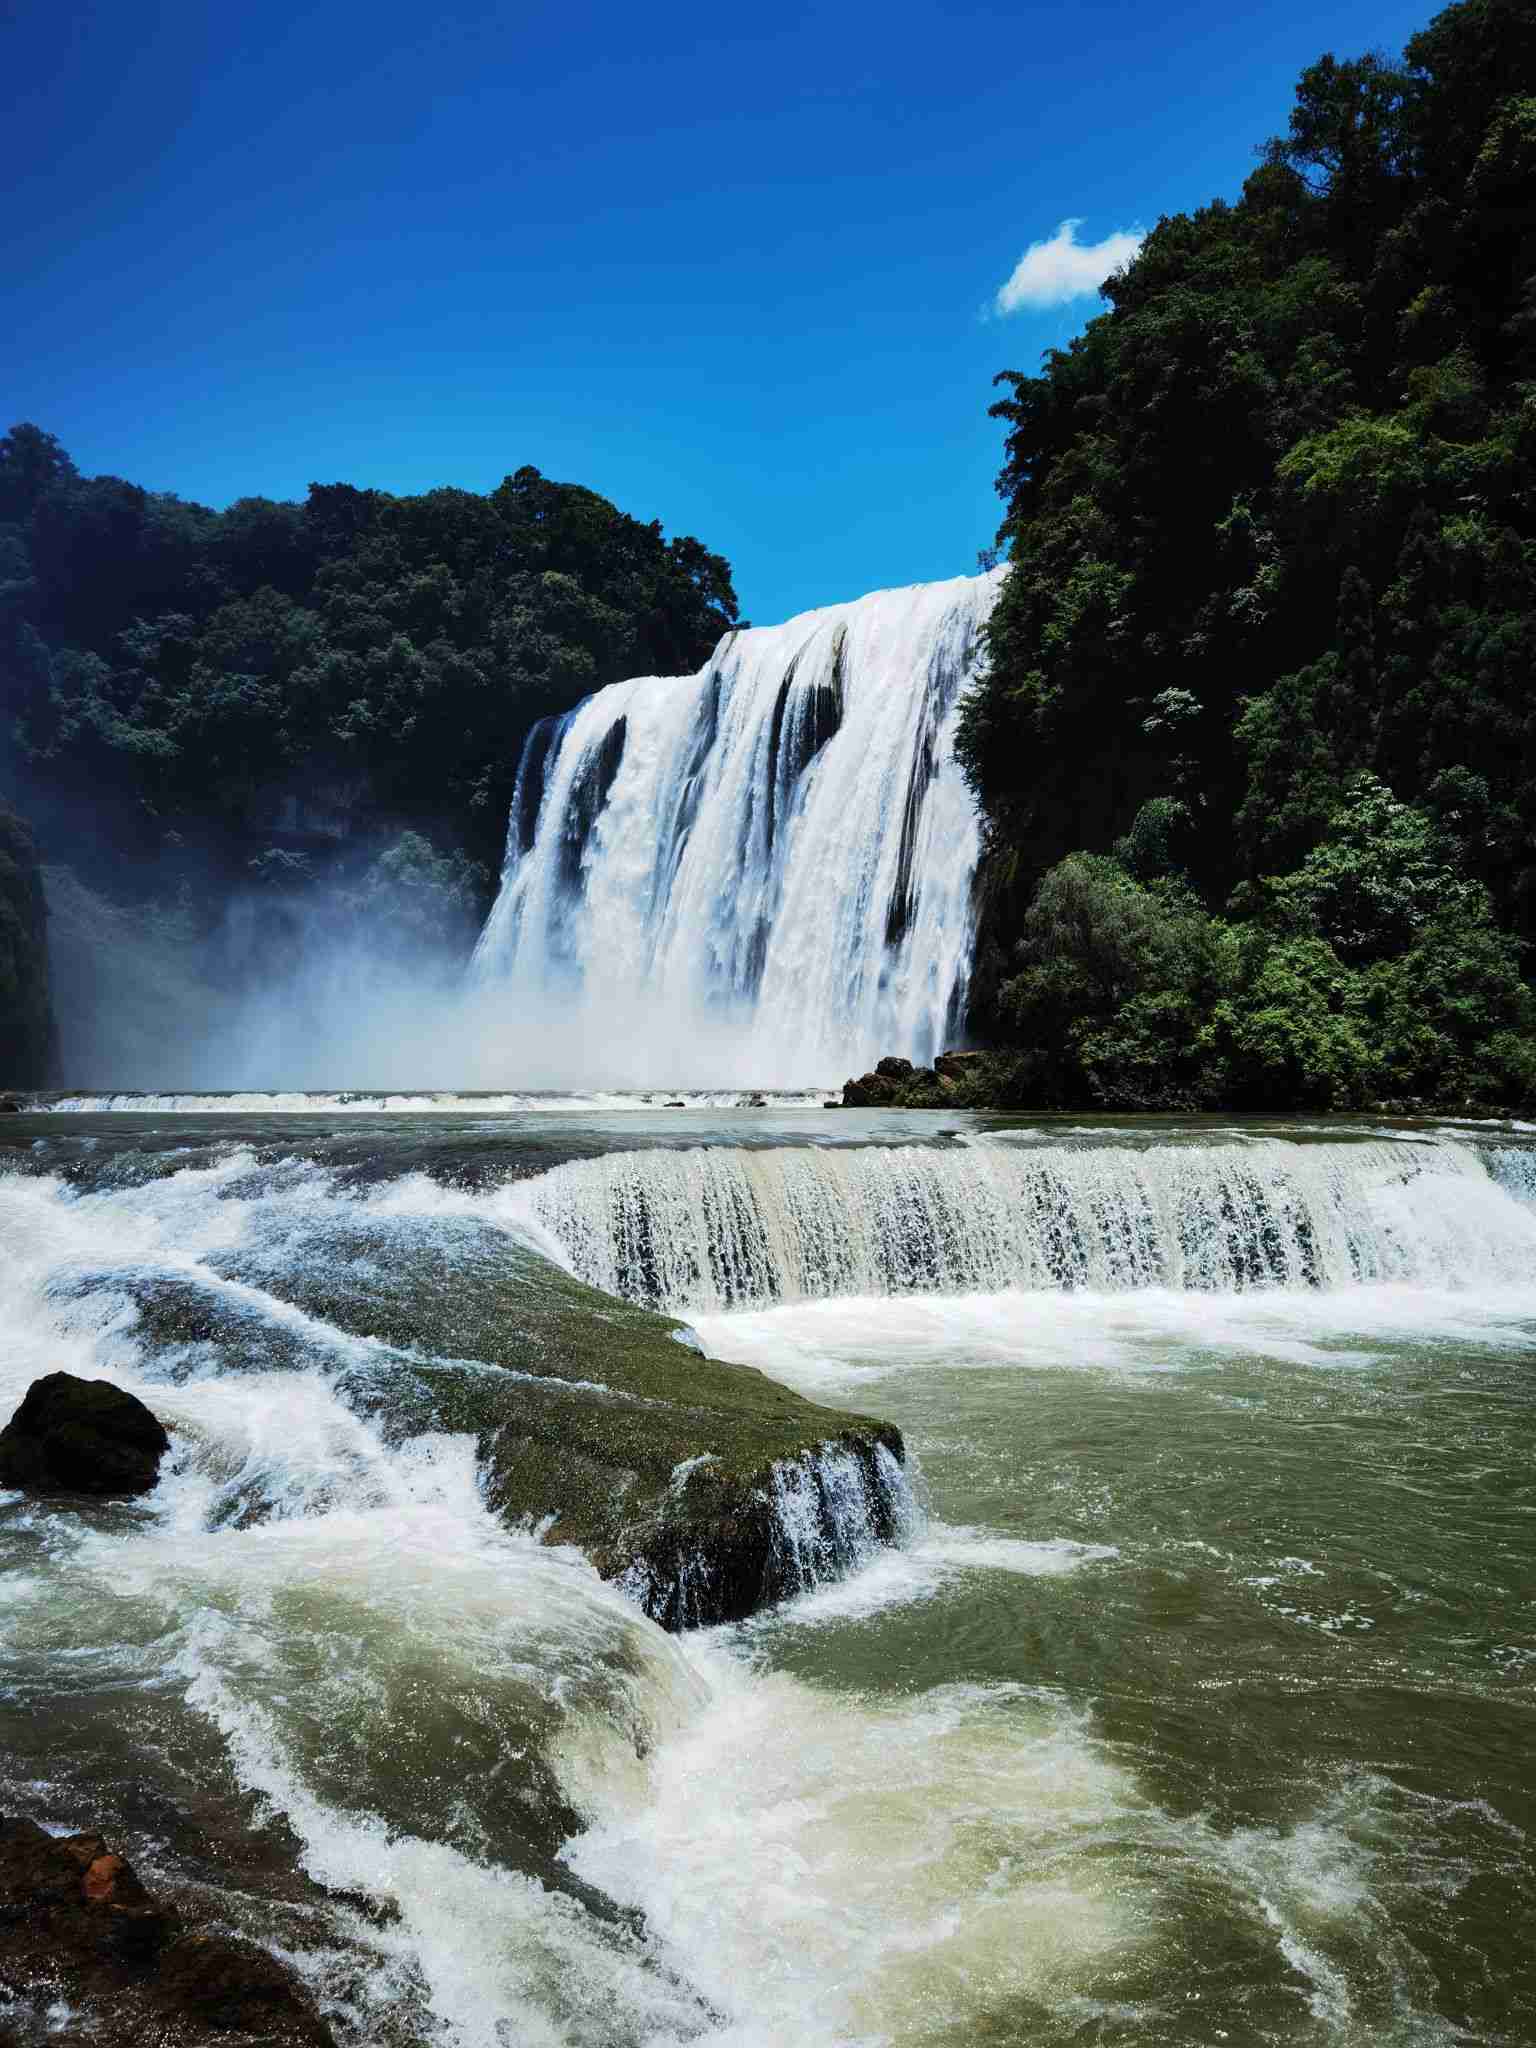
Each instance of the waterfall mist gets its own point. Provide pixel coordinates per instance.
(293, 989)
(757, 876)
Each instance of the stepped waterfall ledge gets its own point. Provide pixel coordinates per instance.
(769, 863)
(720, 1229)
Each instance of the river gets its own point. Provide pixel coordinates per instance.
(1194, 1706)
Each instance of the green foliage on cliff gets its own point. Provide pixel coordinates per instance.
(27, 1043)
(1375, 970)
(1270, 625)
(174, 665)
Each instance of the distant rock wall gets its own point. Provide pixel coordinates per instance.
(28, 1040)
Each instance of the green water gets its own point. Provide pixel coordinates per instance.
(1312, 1649)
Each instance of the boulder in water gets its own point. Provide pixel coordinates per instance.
(597, 1422)
(894, 1069)
(81, 1436)
(76, 1895)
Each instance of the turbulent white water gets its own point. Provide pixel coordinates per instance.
(718, 1228)
(762, 872)
(381, 1660)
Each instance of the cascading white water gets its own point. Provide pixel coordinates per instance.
(1194, 1476)
(768, 864)
(714, 1228)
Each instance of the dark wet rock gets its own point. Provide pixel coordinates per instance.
(77, 1923)
(232, 1987)
(75, 1891)
(870, 1091)
(81, 1436)
(715, 1548)
(956, 1079)
(9, 1106)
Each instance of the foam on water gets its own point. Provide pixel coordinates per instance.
(934, 1560)
(829, 1350)
(448, 1102)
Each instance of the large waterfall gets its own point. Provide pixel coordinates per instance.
(761, 873)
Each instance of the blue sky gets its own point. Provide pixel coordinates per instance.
(735, 269)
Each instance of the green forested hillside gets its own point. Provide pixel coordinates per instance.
(1257, 748)
(189, 673)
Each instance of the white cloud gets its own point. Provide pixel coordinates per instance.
(1050, 273)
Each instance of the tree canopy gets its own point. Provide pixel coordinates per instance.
(171, 664)
(1269, 628)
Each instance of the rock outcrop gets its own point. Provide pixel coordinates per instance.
(78, 1925)
(951, 1082)
(81, 1436)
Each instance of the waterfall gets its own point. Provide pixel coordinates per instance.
(761, 873)
(717, 1228)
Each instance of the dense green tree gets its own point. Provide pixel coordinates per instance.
(1271, 526)
(196, 675)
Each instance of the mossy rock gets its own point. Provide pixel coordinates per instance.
(597, 1422)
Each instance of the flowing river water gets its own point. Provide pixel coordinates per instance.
(1195, 1705)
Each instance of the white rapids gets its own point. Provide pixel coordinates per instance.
(770, 862)
(719, 1227)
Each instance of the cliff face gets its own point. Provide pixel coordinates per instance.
(28, 1044)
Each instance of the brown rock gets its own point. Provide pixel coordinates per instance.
(75, 1920)
(73, 1891)
(100, 1883)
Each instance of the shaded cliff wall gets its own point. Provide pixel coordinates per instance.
(28, 1043)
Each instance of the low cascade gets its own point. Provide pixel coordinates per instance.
(829, 1513)
(770, 862)
(719, 1228)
